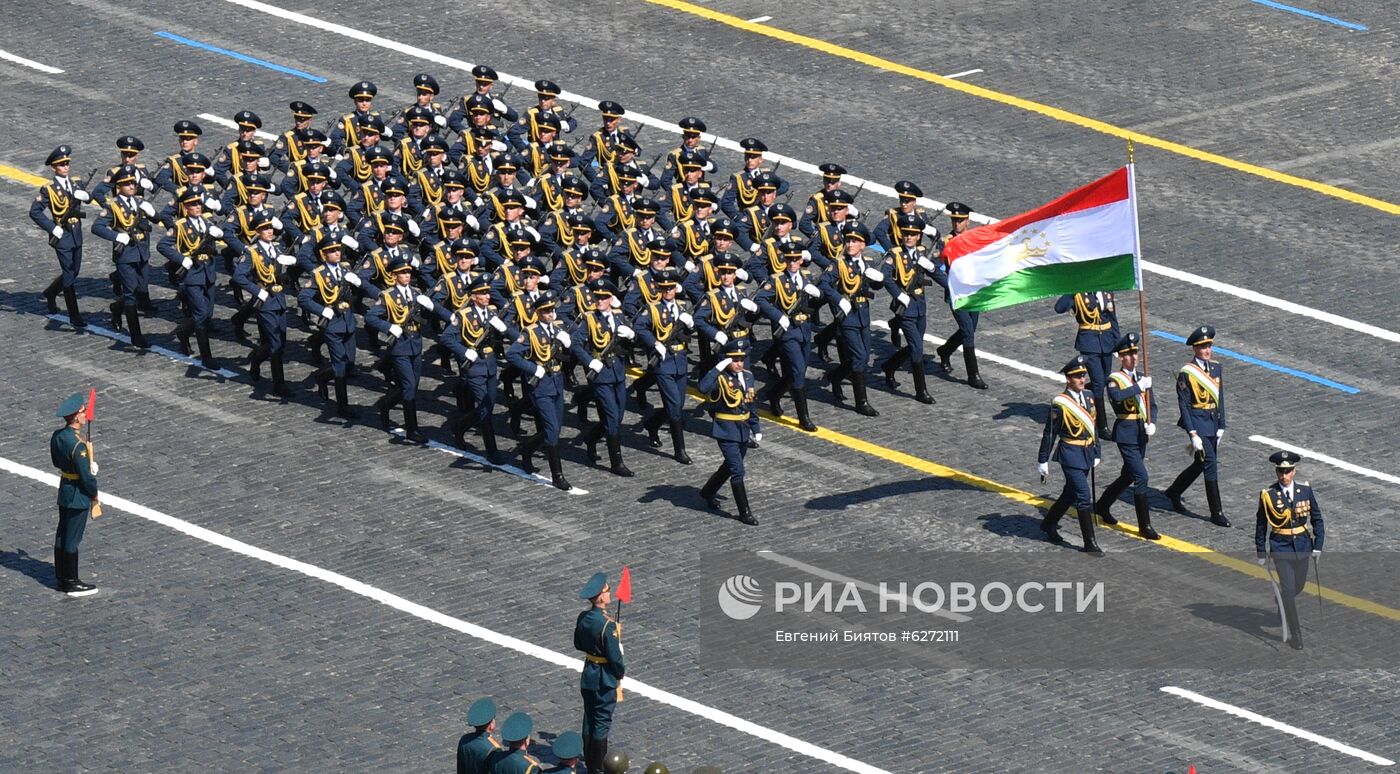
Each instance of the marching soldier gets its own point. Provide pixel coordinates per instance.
(1097, 336)
(768, 259)
(908, 270)
(327, 294)
(1134, 405)
(598, 338)
(232, 157)
(752, 224)
(287, 150)
(1288, 528)
(527, 130)
(887, 232)
(126, 221)
(632, 252)
(172, 176)
(475, 748)
(664, 326)
(602, 144)
(346, 133)
(77, 493)
(787, 299)
(411, 151)
(731, 390)
(426, 90)
(485, 80)
(313, 156)
(1070, 431)
(516, 757)
(608, 181)
(848, 286)
(726, 313)
(129, 150)
(368, 200)
(189, 247)
(262, 273)
(964, 337)
(1200, 395)
(397, 315)
(741, 193)
(58, 210)
(617, 212)
(816, 213)
(537, 354)
(678, 202)
(567, 748)
(358, 165)
(691, 127)
(476, 341)
(599, 637)
(196, 166)
(829, 236)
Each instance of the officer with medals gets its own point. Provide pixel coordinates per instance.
(848, 286)
(475, 748)
(664, 326)
(126, 220)
(1069, 430)
(1134, 405)
(965, 335)
(1098, 334)
(189, 247)
(58, 210)
(537, 354)
(401, 314)
(328, 295)
(908, 270)
(787, 299)
(77, 493)
(1200, 395)
(1288, 529)
(476, 340)
(262, 273)
(731, 390)
(599, 337)
(516, 757)
(599, 637)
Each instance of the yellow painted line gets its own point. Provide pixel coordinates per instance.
(1032, 106)
(15, 173)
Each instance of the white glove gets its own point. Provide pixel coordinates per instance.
(874, 275)
(276, 222)
(1219, 434)
(903, 299)
(844, 306)
(81, 195)
(440, 120)
(784, 322)
(806, 256)
(539, 372)
(615, 302)
(723, 364)
(263, 163)
(643, 180)
(396, 331)
(286, 260)
(931, 231)
(350, 242)
(424, 301)
(333, 176)
(544, 280)
(709, 166)
(721, 338)
(686, 319)
(473, 223)
(927, 265)
(187, 264)
(1262, 561)
(1097, 460)
(146, 184)
(414, 262)
(352, 278)
(328, 313)
(1145, 383)
(625, 332)
(755, 248)
(812, 290)
(147, 209)
(498, 324)
(1197, 443)
(564, 338)
(413, 227)
(216, 232)
(471, 355)
(660, 349)
(1316, 551)
(748, 304)
(741, 274)
(123, 238)
(498, 106)
(262, 294)
(57, 232)
(595, 365)
(758, 437)
(530, 204)
(92, 466)
(853, 211)
(1043, 469)
(214, 205)
(498, 146)
(337, 158)
(1151, 429)
(690, 265)
(388, 133)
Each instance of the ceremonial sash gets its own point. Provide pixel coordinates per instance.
(1124, 381)
(1203, 381)
(1080, 415)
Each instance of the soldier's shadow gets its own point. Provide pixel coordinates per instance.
(1250, 620)
(687, 497)
(23, 562)
(838, 501)
(1032, 411)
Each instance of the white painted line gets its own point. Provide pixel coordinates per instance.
(1267, 722)
(1310, 455)
(210, 117)
(7, 281)
(533, 478)
(490, 636)
(98, 330)
(40, 66)
(964, 72)
(811, 569)
(760, 19)
(983, 354)
(802, 166)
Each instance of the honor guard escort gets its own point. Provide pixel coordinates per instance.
(1200, 396)
(965, 335)
(1288, 530)
(1135, 406)
(1069, 431)
(1097, 336)
(908, 271)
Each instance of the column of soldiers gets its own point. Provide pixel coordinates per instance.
(534, 268)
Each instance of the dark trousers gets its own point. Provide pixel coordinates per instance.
(1199, 465)
(72, 522)
(1292, 577)
(597, 712)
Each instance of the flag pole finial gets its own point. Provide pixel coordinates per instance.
(1130, 150)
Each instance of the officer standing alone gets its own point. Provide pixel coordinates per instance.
(77, 494)
(599, 636)
(1289, 530)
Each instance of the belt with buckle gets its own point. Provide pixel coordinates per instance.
(1290, 531)
(592, 659)
(1095, 326)
(678, 347)
(342, 305)
(732, 417)
(800, 317)
(1077, 441)
(69, 476)
(1203, 406)
(273, 288)
(487, 350)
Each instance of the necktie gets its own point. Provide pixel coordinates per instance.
(128, 203)
(1099, 296)
(672, 310)
(199, 225)
(733, 297)
(796, 280)
(335, 275)
(1288, 494)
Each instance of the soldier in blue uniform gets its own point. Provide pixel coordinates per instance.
(527, 130)
(602, 144)
(816, 213)
(599, 338)
(1134, 405)
(401, 314)
(1096, 338)
(787, 299)
(126, 221)
(328, 295)
(1070, 431)
(475, 748)
(288, 150)
(567, 749)
(1200, 396)
(262, 273)
(189, 247)
(77, 493)
(599, 637)
(664, 326)
(58, 210)
(485, 78)
(231, 159)
(848, 286)
(1288, 528)
(172, 175)
(965, 335)
(345, 134)
(741, 193)
(908, 271)
(516, 757)
(731, 390)
(538, 354)
(476, 340)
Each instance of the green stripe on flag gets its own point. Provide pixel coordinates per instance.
(1056, 279)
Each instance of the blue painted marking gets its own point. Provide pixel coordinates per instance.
(1313, 15)
(240, 57)
(1348, 389)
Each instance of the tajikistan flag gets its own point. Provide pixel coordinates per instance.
(1084, 241)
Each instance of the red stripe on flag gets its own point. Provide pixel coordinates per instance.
(1106, 190)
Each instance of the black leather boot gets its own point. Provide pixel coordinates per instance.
(615, 463)
(804, 416)
(1050, 524)
(1109, 496)
(410, 423)
(863, 406)
(75, 317)
(1086, 528)
(1144, 517)
(678, 443)
(133, 324)
(974, 376)
(118, 311)
(255, 361)
(279, 379)
(921, 384)
(556, 468)
(741, 502)
(342, 401)
(652, 424)
(206, 358)
(710, 491)
(51, 294)
(1217, 511)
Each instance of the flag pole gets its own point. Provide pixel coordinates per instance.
(1142, 293)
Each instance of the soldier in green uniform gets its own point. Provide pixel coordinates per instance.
(516, 758)
(599, 636)
(475, 748)
(567, 748)
(77, 494)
